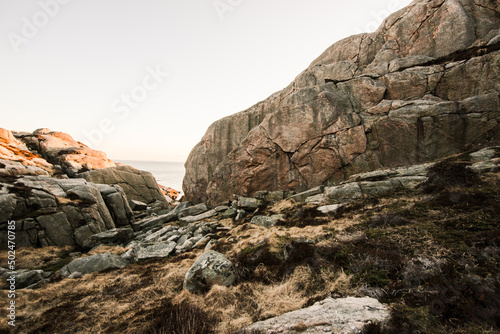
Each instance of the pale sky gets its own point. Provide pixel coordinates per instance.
(143, 79)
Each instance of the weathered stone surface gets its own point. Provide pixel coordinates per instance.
(267, 221)
(82, 233)
(425, 85)
(327, 209)
(94, 263)
(156, 250)
(342, 316)
(209, 269)
(113, 236)
(40, 177)
(154, 221)
(344, 193)
(248, 203)
(316, 199)
(61, 149)
(137, 205)
(300, 197)
(17, 159)
(273, 196)
(137, 185)
(229, 213)
(221, 208)
(193, 210)
(170, 240)
(192, 219)
(162, 233)
(118, 206)
(66, 211)
(57, 228)
(7, 206)
(25, 278)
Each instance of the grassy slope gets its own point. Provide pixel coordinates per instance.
(433, 256)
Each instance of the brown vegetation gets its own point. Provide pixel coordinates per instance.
(433, 257)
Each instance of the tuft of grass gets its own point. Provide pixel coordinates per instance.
(182, 318)
(39, 258)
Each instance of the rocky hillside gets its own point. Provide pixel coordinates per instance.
(60, 192)
(425, 85)
(402, 250)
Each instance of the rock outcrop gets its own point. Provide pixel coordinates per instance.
(343, 316)
(94, 263)
(137, 184)
(60, 192)
(60, 149)
(58, 212)
(425, 85)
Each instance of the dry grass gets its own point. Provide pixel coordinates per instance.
(407, 244)
(238, 306)
(102, 301)
(282, 206)
(36, 258)
(108, 249)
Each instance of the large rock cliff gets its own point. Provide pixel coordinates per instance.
(423, 86)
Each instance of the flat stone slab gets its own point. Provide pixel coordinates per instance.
(342, 316)
(114, 236)
(154, 221)
(326, 209)
(94, 263)
(192, 219)
(300, 197)
(156, 250)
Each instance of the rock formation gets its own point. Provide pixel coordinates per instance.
(423, 86)
(61, 192)
(342, 316)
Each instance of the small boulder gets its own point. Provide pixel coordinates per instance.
(329, 209)
(94, 263)
(267, 221)
(229, 213)
(29, 277)
(209, 269)
(249, 203)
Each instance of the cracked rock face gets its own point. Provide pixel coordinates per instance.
(425, 85)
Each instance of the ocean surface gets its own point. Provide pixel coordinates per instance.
(168, 174)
